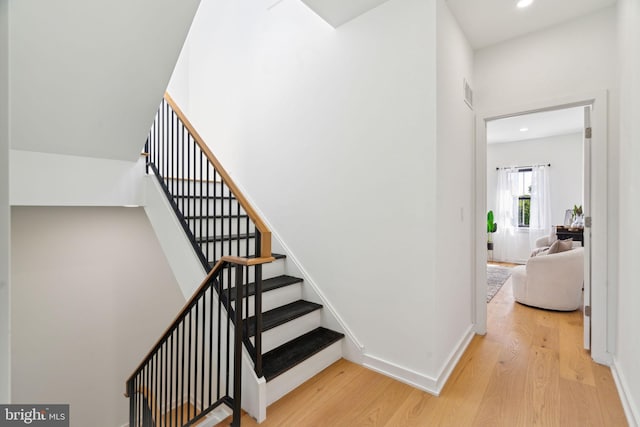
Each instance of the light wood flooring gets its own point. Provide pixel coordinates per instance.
(529, 370)
(502, 263)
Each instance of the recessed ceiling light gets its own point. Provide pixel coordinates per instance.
(524, 3)
(524, 129)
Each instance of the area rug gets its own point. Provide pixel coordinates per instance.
(496, 277)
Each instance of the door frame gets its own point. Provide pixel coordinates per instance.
(602, 316)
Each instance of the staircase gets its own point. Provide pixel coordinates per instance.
(282, 332)
(292, 331)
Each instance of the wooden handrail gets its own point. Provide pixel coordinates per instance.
(218, 266)
(247, 262)
(265, 233)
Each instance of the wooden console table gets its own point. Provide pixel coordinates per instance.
(564, 233)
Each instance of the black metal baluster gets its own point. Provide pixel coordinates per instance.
(258, 319)
(170, 378)
(203, 347)
(237, 218)
(170, 145)
(165, 138)
(195, 360)
(182, 372)
(202, 202)
(220, 280)
(237, 352)
(132, 402)
(147, 389)
(190, 343)
(154, 396)
(206, 212)
(211, 310)
(195, 174)
(165, 354)
(215, 211)
(222, 224)
(229, 330)
(176, 172)
(189, 212)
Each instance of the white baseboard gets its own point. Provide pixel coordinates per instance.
(630, 408)
(423, 382)
(454, 357)
(402, 374)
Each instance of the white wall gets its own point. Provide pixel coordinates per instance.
(4, 203)
(42, 179)
(453, 203)
(87, 77)
(333, 134)
(549, 64)
(82, 314)
(563, 152)
(628, 340)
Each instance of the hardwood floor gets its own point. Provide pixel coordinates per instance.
(529, 370)
(502, 263)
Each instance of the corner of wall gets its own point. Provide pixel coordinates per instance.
(432, 385)
(631, 411)
(5, 213)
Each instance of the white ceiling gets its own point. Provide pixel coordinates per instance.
(539, 125)
(487, 22)
(337, 12)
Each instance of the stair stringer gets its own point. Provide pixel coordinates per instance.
(189, 274)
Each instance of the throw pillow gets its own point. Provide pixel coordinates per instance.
(538, 251)
(560, 246)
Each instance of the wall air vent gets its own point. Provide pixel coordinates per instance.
(468, 94)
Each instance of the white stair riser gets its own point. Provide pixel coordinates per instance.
(276, 298)
(233, 247)
(273, 269)
(286, 332)
(294, 377)
(269, 270)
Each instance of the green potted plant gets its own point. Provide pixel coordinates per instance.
(577, 220)
(492, 227)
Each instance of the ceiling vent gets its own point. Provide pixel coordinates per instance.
(468, 94)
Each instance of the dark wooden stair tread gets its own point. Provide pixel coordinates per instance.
(196, 217)
(197, 196)
(296, 351)
(281, 315)
(276, 256)
(267, 285)
(226, 237)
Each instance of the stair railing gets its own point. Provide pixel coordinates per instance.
(196, 365)
(232, 242)
(187, 169)
(215, 215)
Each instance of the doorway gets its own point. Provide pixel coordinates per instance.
(597, 187)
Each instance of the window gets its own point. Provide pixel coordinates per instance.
(524, 197)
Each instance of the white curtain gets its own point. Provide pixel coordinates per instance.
(540, 210)
(506, 214)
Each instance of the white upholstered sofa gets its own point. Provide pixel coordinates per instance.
(551, 281)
